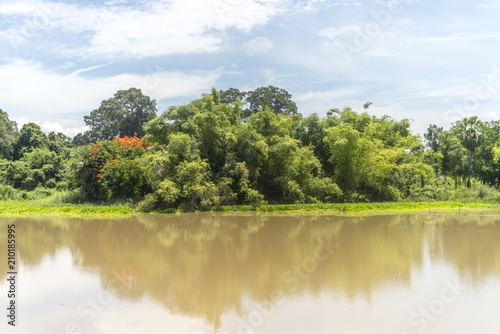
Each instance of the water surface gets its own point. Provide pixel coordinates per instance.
(209, 273)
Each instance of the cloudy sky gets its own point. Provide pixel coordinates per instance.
(430, 61)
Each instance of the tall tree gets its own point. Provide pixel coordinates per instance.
(8, 134)
(453, 162)
(277, 99)
(232, 95)
(31, 137)
(123, 115)
(432, 137)
(470, 135)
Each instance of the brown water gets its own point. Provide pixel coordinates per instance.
(207, 273)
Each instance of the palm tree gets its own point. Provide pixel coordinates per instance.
(470, 135)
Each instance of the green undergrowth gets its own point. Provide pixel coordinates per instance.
(71, 204)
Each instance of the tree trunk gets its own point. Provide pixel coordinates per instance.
(456, 181)
(468, 180)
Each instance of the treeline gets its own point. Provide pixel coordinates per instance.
(232, 147)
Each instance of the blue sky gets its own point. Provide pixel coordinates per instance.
(430, 61)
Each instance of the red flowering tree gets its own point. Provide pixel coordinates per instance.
(110, 169)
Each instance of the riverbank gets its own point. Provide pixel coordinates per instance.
(41, 208)
(38, 208)
(382, 208)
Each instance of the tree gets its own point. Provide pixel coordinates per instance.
(31, 137)
(277, 99)
(81, 139)
(432, 137)
(38, 167)
(178, 176)
(484, 167)
(108, 169)
(8, 134)
(350, 155)
(232, 95)
(470, 135)
(207, 120)
(123, 115)
(59, 143)
(453, 162)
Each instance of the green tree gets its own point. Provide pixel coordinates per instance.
(8, 134)
(469, 132)
(484, 167)
(350, 154)
(123, 115)
(211, 123)
(109, 169)
(374, 158)
(454, 162)
(31, 137)
(37, 168)
(277, 99)
(311, 131)
(232, 95)
(432, 137)
(178, 176)
(59, 143)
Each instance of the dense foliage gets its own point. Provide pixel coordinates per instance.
(232, 147)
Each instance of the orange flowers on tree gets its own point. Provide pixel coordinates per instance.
(111, 169)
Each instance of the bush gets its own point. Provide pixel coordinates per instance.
(7, 192)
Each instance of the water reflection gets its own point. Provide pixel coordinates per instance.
(206, 265)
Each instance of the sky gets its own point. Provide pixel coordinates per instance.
(434, 62)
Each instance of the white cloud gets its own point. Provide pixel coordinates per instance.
(20, 7)
(310, 5)
(57, 127)
(270, 77)
(492, 116)
(320, 102)
(52, 126)
(459, 37)
(83, 70)
(153, 29)
(334, 32)
(115, 2)
(30, 90)
(330, 95)
(259, 45)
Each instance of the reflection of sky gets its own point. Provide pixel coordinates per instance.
(58, 297)
(52, 294)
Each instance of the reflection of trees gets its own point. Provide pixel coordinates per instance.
(203, 265)
(470, 244)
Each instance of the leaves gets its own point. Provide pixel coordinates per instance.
(121, 116)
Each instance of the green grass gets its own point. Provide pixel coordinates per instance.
(41, 208)
(45, 208)
(70, 204)
(372, 208)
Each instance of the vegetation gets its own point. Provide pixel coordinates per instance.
(234, 149)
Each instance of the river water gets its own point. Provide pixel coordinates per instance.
(211, 273)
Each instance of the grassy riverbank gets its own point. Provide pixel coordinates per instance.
(43, 208)
(358, 209)
(47, 208)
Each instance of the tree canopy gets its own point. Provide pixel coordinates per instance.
(232, 147)
(122, 115)
(8, 135)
